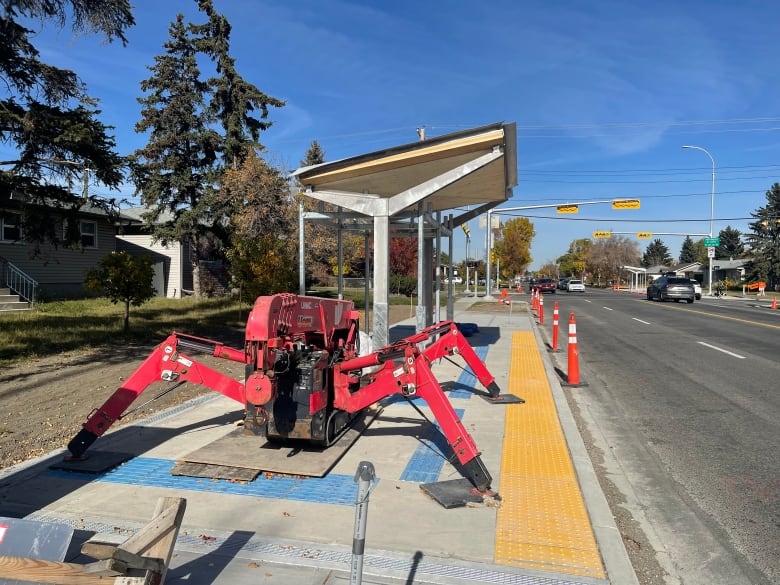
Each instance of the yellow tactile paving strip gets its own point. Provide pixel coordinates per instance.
(542, 522)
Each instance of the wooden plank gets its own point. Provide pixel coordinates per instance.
(122, 562)
(206, 470)
(295, 458)
(162, 547)
(38, 571)
(166, 518)
(98, 550)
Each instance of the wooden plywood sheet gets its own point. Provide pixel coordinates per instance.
(256, 455)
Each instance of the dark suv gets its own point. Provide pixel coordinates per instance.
(545, 285)
(671, 287)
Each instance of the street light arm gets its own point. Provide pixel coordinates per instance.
(712, 202)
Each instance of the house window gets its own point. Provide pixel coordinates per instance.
(10, 226)
(88, 232)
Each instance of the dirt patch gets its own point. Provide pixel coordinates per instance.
(44, 401)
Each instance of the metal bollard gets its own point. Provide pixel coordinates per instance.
(363, 477)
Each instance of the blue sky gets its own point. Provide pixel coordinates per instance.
(604, 94)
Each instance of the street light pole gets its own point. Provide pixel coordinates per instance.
(712, 203)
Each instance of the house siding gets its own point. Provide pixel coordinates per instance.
(60, 272)
(169, 262)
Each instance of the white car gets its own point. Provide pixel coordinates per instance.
(575, 286)
(696, 289)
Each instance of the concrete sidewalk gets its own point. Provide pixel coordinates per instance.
(291, 530)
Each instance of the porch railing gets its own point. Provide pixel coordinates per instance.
(20, 283)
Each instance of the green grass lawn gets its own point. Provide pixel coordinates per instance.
(57, 326)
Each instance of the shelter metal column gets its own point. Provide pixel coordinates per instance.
(488, 248)
(451, 286)
(381, 280)
(340, 243)
(421, 304)
(301, 252)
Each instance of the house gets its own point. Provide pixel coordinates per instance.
(172, 263)
(52, 271)
(692, 270)
(731, 270)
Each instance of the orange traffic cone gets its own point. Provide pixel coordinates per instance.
(555, 327)
(574, 355)
(774, 303)
(541, 310)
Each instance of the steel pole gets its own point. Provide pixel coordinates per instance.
(712, 206)
(364, 475)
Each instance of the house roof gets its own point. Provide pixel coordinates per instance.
(686, 267)
(729, 264)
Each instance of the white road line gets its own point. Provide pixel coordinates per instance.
(607, 308)
(640, 320)
(742, 357)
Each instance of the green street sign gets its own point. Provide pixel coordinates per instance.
(711, 242)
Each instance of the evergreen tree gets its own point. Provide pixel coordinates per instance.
(233, 99)
(688, 251)
(764, 241)
(315, 155)
(47, 117)
(656, 253)
(731, 245)
(178, 172)
(177, 169)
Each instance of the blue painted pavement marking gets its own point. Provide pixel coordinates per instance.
(429, 457)
(467, 377)
(149, 471)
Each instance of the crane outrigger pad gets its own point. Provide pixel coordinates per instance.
(95, 462)
(453, 493)
(241, 456)
(502, 399)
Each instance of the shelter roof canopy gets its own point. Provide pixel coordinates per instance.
(386, 173)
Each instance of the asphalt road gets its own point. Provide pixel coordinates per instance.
(684, 402)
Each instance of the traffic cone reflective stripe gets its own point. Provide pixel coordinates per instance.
(574, 365)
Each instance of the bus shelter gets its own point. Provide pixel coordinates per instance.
(421, 190)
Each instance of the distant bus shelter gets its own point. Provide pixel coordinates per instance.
(637, 280)
(422, 190)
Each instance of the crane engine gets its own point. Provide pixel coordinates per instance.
(306, 377)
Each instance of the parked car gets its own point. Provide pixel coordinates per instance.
(696, 289)
(575, 286)
(671, 287)
(545, 285)
(562, 283)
